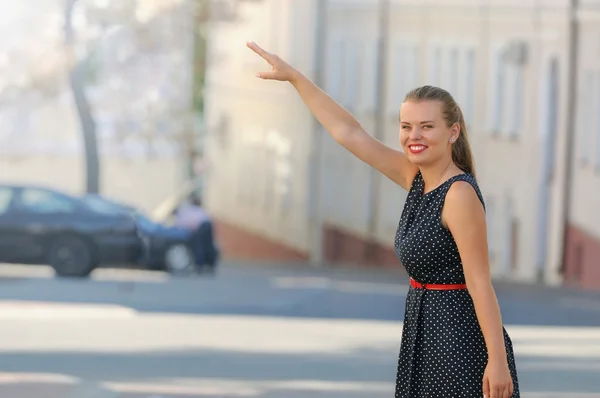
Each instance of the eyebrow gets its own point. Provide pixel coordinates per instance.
(424, 122)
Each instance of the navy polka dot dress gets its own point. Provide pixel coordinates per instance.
(443, 353)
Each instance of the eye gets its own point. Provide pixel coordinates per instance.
(428, 127)
(405, 127)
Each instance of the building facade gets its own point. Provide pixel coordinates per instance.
(279, 181)
(582, 238)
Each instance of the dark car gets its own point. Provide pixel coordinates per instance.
(165, 247)
(39, 225)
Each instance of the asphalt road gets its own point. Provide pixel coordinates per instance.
(267, 332)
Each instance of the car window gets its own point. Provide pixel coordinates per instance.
(100, 206)
(6, 195)
(47, 202)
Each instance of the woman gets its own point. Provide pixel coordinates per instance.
(453, 341)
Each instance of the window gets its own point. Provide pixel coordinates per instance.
(452, 73)
(509, 88)
(469, 86)
(435, 66)
(100, 205)
(405, 72)
(352, 78)
(491, 234)
(586, 121)
(498, 77)
(596, 112)
(6, 195)
(516, 101)
(369, 72)
(335, 72)
(399, 76)
(46, 202)
(412, 68)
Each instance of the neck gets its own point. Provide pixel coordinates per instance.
(436, 174)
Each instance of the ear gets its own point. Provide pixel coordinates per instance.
(454, 132)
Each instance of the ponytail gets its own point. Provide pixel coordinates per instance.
(461, 149)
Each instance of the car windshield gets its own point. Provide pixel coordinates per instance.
(144, 222)
(100, 205)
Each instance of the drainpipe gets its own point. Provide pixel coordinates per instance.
(384, 14)
(571, 124)
(317, 258)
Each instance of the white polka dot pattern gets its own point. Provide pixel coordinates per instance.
(443, 353)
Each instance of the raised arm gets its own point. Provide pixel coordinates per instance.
(340, 123)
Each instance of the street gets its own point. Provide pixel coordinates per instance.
(257, 331)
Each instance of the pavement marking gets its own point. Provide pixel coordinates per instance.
(168, 390)
(549, 394)
(26, 271)
(129, 275)
(99, 274)
(83, 389)
(46, 378)
(339, 285)
(28, 310)
(244, 388)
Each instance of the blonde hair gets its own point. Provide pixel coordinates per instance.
(462, 155)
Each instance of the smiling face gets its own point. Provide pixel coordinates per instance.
(424, 134)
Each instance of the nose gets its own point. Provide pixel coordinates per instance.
(415, 133)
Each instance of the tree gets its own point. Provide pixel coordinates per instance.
(87, 123)
(149, 39)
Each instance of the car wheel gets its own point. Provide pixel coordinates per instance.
(179, 259)
(71, 256)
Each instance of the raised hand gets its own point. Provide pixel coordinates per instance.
(280, 70)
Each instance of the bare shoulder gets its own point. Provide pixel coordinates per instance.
(462, 205)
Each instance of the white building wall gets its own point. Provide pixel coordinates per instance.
(512, 138)
(260, 132)
(452, 44)
(455, 47)
(585, 200)
(351, 80)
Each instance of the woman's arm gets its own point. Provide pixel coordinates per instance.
(464, 216)
(340, 123)
(349, 133)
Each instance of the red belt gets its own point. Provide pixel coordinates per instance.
(431, 286)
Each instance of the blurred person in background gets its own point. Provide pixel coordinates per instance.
(453, 341)
(192, 217)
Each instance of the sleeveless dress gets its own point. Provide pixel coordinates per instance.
(443, 352)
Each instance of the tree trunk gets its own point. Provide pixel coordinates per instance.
(88, 128)
(86, 119)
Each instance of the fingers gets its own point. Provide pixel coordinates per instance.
(266, 56)
(486, 387)
(266, 75)
(499, 392)
(256, 48)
